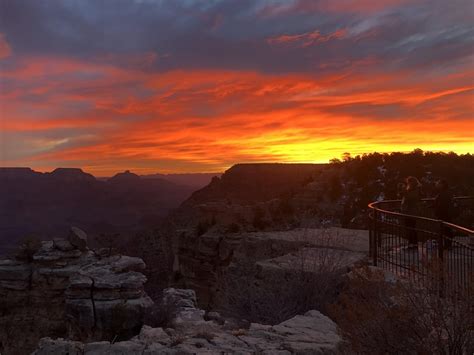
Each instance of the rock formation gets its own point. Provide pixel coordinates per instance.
(191, 333)
(60, 288)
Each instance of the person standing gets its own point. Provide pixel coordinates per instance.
(411, 205)
(444, 210)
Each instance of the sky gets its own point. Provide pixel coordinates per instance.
(199, 85)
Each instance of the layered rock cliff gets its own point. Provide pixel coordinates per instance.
(61, 288)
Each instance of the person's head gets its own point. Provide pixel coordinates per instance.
(442, 184)
(412, 183)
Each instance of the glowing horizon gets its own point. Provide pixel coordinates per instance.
(232, 82)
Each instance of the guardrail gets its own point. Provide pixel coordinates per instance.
(440, 252)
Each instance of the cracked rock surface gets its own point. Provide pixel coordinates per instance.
(190, 333)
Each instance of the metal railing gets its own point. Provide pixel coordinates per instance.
(424, 249)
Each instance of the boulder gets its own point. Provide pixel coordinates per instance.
(150, 335)
(181, 305)
(179, 298)
(78, 238)
(127, 263)
(63, 245)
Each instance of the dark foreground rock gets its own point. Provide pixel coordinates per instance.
(190, 333)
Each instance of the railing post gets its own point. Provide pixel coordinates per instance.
(441, 278)
(371, 234)
(375, 238)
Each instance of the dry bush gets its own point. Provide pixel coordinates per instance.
(403, 317)
(270, 293)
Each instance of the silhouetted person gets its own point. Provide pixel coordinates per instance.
(444, 210)
(411, 202)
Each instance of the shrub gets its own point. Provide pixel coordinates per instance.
(403, 317)
(310, 280)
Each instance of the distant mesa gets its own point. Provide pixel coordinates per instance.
(66, 174)
(126, 176)
(72, 174)
(17, 173)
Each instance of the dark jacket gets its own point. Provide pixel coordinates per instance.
(444, 206)
(411, 202)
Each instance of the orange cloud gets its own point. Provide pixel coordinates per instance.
(16, 124)
(106, 119)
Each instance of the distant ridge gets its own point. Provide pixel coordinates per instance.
(47, 204)
(73, 174)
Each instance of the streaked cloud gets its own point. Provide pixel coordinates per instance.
(308, 38)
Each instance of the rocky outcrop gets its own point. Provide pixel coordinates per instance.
(190, 333)
(63, 289)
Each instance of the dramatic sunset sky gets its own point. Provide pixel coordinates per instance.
(198, 85)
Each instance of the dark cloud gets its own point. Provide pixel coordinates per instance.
(233, 34)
